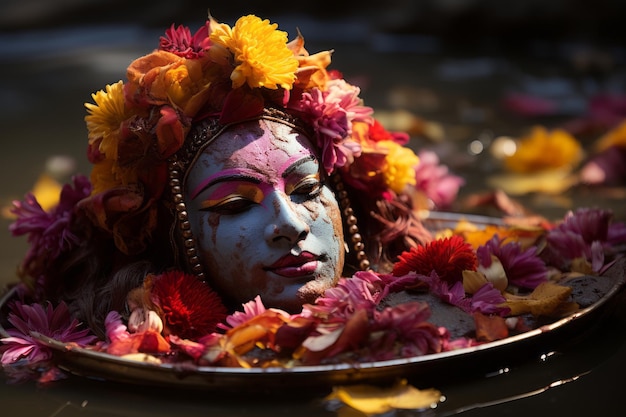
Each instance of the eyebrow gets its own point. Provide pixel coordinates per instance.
(296, 164)
(223, 176)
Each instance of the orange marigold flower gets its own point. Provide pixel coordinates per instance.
(448, 257)
(164, 78)
(615, 137)
(311, 70)
(543, 150)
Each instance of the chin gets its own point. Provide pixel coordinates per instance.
(312, 290)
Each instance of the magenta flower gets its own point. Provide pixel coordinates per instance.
(435, 181)
(450, 293)
(402, 331)
(351, 322)
(180, 42)
(584, 234)
(523, 268)
(49, 233)
(251, 309)
(486, 300)
(55, 323)
(361, 292)
(331, 113)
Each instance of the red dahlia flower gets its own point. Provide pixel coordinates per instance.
(448, 257)
(180, 42)
(189, 308)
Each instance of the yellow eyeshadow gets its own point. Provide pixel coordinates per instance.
(248, 192)
(290, 187)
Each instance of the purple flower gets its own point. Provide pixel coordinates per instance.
(586, 234)
(435, 181)
(607, 167)
(452, 294)
(523, 268)
(331, 113)
(486, 300)
(49, 233)
(55, 323)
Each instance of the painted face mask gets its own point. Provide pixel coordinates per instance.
(263, 220)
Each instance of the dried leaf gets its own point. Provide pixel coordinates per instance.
(545, 300)
(376, 400)
(473, 281)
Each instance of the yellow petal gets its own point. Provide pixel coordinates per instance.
(376, 400)
(47, 191)
(142, 357)
(554, 181)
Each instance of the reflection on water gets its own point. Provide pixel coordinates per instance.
(51, 73)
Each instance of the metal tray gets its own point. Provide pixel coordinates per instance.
(485, 358)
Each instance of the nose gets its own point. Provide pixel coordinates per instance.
(286, 227)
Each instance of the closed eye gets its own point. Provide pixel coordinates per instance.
(233, 204)
(308, 187)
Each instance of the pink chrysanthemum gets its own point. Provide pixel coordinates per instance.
(251, 309)
(52, 322)
(361, 292)
(179, 41)
(49, 233)
(331, 113)
(435, 181)
(448, 257)
(402, 331)
(523, 268)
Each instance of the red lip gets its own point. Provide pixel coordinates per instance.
(294, 266)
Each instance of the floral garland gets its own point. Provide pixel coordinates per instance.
(230, 74)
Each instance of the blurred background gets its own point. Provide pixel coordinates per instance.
(465, 78)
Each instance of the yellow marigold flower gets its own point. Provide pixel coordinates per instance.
(103, 176)
(105, 116)
(399, 169)
(615, 137)
(543, 150)
(260, 52)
